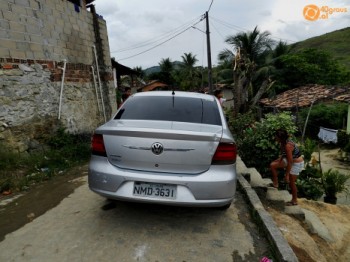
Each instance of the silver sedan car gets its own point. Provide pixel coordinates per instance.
(166, 147)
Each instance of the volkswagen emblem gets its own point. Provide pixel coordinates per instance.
(157, 148)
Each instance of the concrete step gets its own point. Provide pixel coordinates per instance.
(316, 226)
(263, 188)
(255, 178)
(267, 181)
(274, 194)
(277, 197)
(295, 211)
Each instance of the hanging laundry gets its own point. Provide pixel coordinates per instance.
(328, 135)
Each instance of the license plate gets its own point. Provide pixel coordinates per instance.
(154, 190)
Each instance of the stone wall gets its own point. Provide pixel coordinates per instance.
(37, 39)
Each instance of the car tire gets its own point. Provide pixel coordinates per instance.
(225, 207)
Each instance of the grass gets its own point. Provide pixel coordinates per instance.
(19, 171)
(336, 43)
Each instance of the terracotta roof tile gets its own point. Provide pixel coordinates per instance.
(303, 96)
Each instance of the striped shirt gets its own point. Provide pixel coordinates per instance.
(296, 152)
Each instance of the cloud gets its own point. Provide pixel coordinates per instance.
(134, 26)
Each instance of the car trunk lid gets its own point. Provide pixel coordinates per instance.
(161, 146)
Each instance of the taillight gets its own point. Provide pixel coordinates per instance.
(97, 145)
(225, 154)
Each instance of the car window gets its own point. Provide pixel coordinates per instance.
(179, 109)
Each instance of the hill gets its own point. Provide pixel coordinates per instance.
(151, 70)
(336, 43)
(156, 69)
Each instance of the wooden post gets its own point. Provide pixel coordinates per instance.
(348, 123)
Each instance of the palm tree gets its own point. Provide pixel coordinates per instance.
(223, 71)
(189, 73)
(166, 65)
(140, 72)
(253, 45)
(251, 50)
(166, 71)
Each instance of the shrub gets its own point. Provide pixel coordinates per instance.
(334, 182)
(19, 171)
(325, 115)
(256, 145)
(309, 183)
(307, 149)
(343, 140)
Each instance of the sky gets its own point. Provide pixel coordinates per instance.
(143, 32)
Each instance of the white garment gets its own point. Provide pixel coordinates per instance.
(222, 100)
(328, 135)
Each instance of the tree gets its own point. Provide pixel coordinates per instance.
(139, 71)
(309, 66)
(166, 71)
(223, 71)
(189, 75)
(251, 50)
(166, 65)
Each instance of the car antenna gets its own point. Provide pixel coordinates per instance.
(173, 93)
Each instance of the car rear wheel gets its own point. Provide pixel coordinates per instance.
(225, 207)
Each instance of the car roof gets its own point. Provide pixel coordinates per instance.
(176, 93)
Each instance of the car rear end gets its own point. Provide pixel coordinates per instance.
(166, 148)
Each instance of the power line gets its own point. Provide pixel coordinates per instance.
(156, 39)
(167, 40)
(240, 29)
(210, 5)
(213, 25)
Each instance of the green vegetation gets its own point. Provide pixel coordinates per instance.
(256, 144)
(184, 75)
(257, 148)
(256, 66)
(336, 43)
(343, 141)
(19, 171)
(331, 115)
(309, 183)
(333, 182)
(308, 66)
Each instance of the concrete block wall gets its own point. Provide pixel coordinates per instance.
(49, 30)
(36, 37)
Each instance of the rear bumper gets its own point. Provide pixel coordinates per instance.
(215, 187)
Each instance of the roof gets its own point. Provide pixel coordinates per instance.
(305, 95)
(122, 69)
(156, 84)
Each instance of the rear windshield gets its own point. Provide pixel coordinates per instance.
(179, 109)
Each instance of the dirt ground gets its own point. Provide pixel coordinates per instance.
(336, 218)
(37, 200)
(307, 246)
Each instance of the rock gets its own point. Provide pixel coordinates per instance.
(25, 68)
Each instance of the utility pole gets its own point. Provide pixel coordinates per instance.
(210, 81)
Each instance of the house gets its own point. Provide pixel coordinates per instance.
(305, 96)
(153, 85)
